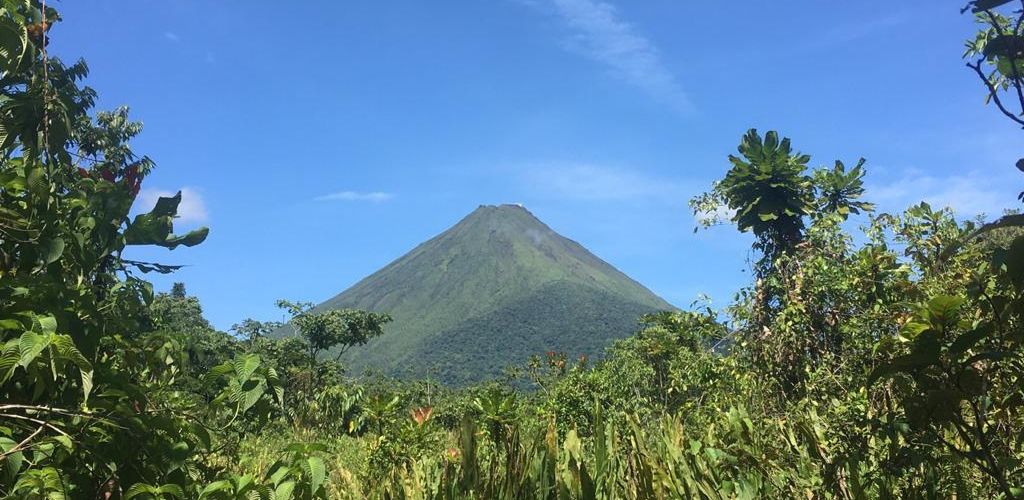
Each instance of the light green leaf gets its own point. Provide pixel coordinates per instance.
(86, 385)
(10, 324)
(9, 357)
(47, 324)
(944, 308)
(317, 470)
(284, 490)
(30, 345)
(245, 366)
(139, 489)
(214, 487)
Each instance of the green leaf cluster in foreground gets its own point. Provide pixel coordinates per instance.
(881, 363)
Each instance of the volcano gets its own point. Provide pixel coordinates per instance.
(489, 292)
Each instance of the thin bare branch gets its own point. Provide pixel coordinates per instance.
(23, 445)
(37, 422)
(993, 93)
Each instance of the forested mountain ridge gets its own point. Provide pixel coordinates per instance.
(495, 288)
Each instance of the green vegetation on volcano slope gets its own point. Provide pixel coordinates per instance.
(487, 293)
(527, 327)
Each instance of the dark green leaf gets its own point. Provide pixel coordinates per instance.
(968, 339)
(52, 250)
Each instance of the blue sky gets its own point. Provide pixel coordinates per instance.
(321, 140)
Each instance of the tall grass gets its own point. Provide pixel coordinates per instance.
(630, 460)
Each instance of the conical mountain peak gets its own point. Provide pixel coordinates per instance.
(515, 214)
(495, 288)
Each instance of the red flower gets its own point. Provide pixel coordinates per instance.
(132, 178)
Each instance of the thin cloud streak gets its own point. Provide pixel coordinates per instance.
(852, 32)
(599, 34)
(846, 34)
(374, 197)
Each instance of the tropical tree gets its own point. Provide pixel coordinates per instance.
(839, 190)
(769, 193)
(252, 331)
(335, 330)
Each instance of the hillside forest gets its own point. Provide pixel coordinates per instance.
(878, 361)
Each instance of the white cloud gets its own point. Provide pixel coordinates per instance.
(191, 209)
(588, 182)
(374, 197)
(173, 37)
(968, 194)
(599, 34)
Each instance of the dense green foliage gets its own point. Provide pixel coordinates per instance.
(498, 276)
(105, 390)
(882, 362)
(536, 323)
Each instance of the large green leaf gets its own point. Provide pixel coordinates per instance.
(10, 355)
(943, 309)
(245, 365)
(982, 5)
(317, 471)
(969, 338)
(13, 43)
(31, 344)
(157, 226)
(10, 324)
(149, 491)
(45, 324)
(167, 206)
(252, 394)
(52, 250)
(67, 350)
(284, 490)
(222, 486)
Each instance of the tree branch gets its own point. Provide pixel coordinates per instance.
(24, 444)
(1013, 59)
(994, 95)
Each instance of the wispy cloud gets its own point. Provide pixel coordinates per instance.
(589, 182)
(969, 194)
(373, 197)
(191, 209)
(600, 34)
(846, 33)
(173, 37)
